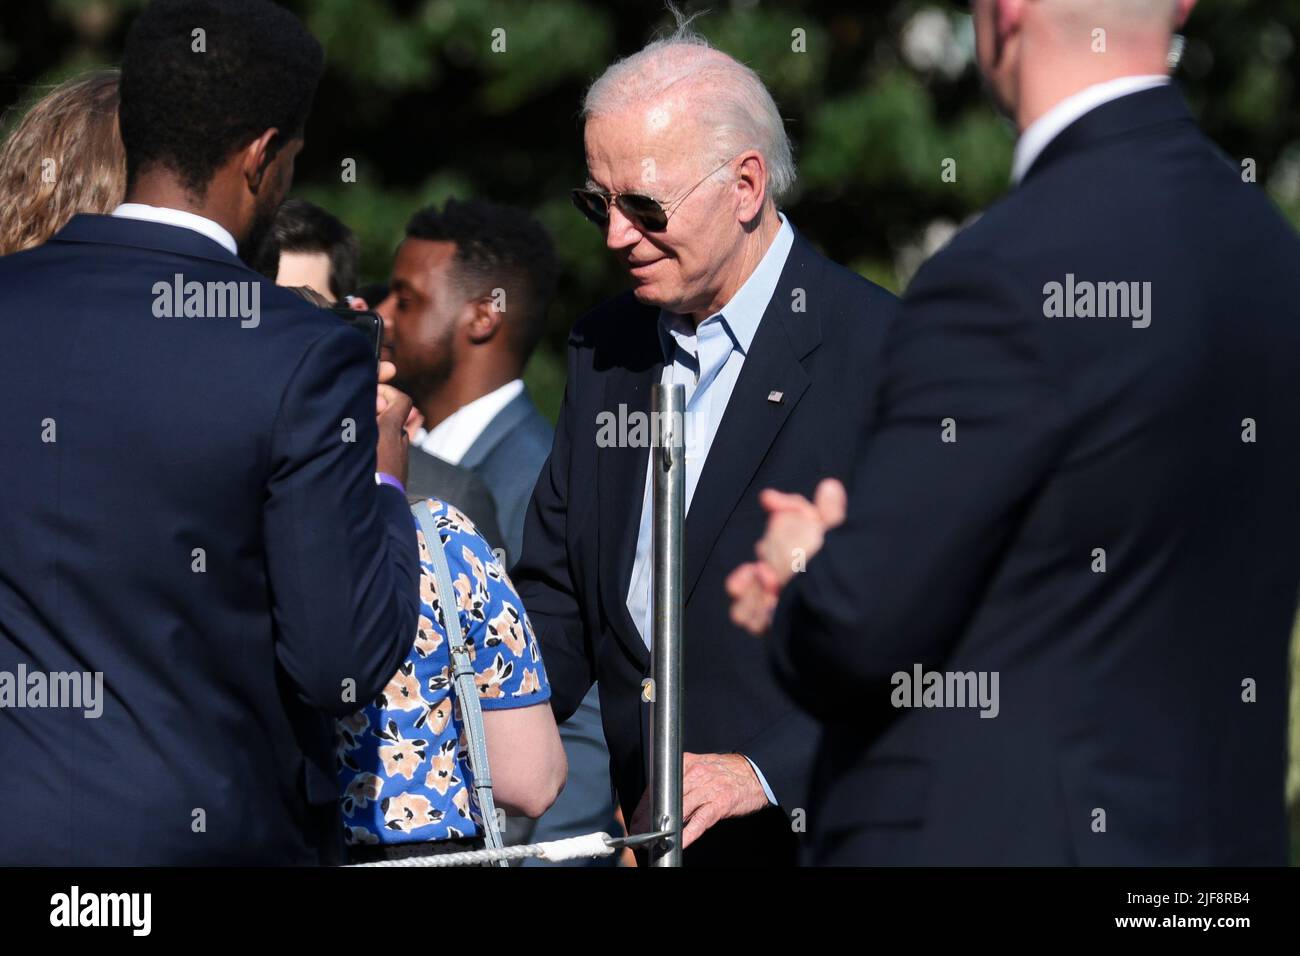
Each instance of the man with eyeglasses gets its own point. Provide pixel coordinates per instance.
(778, 350)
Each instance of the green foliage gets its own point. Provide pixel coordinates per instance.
(434, 98)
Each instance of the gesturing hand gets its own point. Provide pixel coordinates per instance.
(393, 411)
(796, 528)
(754, 590)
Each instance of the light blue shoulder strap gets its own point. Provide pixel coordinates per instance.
(462, 678)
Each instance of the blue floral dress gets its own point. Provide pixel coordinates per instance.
(403, 764)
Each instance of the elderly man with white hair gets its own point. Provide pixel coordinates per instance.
(778, 350)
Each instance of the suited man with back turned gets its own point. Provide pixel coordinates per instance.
(1052, 628)
(193, 516)
(777, 349)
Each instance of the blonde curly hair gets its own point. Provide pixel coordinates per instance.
(65, 157)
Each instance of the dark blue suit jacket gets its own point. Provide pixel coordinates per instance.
(205, 531)
(1127, 729)
(580, 536)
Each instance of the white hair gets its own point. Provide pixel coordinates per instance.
(736, 107)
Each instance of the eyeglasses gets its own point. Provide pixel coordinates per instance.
(648, 215)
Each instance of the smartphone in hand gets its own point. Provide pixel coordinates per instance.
(368, 323)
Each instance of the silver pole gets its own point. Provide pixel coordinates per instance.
(669, 470)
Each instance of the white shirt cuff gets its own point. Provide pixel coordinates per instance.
(771, 798)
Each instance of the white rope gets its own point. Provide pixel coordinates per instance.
(587, 846)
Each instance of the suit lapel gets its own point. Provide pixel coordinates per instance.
(749, 425)
(752, 419)
(621, 474)
(497, 429)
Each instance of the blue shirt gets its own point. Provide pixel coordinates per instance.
(403, 767)
(707, 360)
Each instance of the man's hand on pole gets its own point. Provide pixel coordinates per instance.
(714, 787)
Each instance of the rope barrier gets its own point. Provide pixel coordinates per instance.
(588, 846)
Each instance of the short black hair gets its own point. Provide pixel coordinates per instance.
(301, 226)
(498, 246)
(191, 99)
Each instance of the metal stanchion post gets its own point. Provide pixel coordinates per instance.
(668, 465)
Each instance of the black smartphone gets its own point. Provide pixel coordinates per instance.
(368, 323)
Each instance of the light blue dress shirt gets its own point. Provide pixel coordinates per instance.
(707, 360)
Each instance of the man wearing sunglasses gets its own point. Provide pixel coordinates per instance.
(778, 350)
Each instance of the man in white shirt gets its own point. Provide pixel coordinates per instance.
(467, 306)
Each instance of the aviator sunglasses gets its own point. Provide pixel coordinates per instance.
(646, 214)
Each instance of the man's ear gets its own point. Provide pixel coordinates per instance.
(751, 185)
(257, 158)
(1007, 18)
(486, 318)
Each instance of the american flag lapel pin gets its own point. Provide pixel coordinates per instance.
(776, 397)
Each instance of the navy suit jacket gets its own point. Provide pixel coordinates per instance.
(189, 509)
(508, 456)
(580, 536)
(1099, 535)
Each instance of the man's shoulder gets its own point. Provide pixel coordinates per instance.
(18, 262)
(1013, 233)
(612, 320)
(153, 283)
(839, 279)
(174, 268)
(846, 302)
(529, 442)
(517, 428)
(1142, 199)
(509, 458)
(533, 427)
(620, 333)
